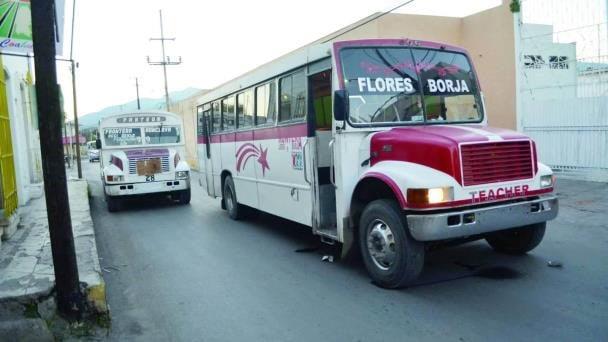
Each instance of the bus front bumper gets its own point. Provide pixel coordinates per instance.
(460, 224)
(130, 189)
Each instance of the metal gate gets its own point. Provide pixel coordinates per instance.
(563, 83)
(7, 166)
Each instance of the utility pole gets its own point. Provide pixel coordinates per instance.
(137, 91)
(70, 301)
(74, 66)
(166, 60)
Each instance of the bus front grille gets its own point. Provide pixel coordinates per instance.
(164, 162)
(492, 162)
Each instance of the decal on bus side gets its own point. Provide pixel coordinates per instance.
(246, 151)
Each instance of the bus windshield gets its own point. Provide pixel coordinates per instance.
(395, 85)
(162, 135)
(132, 136)
(123, 136)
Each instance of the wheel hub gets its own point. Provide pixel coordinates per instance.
(381, 245)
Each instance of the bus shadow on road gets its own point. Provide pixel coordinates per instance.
(443, 265)
(147, 202)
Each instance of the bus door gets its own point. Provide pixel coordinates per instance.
(206, 162)
(320, 119)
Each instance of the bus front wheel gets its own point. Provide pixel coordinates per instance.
(392, 257)
(235, 210)
(517, 241)
(183, 196)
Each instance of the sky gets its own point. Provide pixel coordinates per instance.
(217, 40)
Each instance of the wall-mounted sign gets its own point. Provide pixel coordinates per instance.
(16, 25)
(539, 62)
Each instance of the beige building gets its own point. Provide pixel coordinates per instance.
(489, 37)
(187, 110)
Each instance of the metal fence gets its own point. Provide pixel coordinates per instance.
(563, 77)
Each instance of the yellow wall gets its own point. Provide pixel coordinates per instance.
(7, 165)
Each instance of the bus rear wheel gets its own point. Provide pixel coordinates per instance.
(392, 257)
(235, 210)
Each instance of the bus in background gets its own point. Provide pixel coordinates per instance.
(378, 143)
(141, 154)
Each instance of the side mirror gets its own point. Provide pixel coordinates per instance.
(98, 144)
(340, 105)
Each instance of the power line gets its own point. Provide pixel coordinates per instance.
(381, 14)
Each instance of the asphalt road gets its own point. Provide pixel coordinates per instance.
(189, 273)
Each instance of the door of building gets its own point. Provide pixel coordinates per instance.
(7, 165)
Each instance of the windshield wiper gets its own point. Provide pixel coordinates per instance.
(383, 106)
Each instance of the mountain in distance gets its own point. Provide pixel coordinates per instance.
(92, 119)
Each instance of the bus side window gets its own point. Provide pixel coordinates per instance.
(228, 115)
(217, 117)
(200, 128)
(265, 104)
(244, 109)
(204, 117)
(298, 94)
(293, 97)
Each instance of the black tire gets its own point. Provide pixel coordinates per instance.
(114, 204)
(408, 254)
(234, 209)
(517, 241)
(184, 197)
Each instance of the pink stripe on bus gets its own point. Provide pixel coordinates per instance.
(229, 137)
(279, 132)
(293, 131)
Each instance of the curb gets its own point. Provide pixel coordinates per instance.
(26, 270)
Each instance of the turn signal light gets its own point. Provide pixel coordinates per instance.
(115, 178)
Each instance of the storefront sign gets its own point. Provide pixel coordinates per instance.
(16, 26)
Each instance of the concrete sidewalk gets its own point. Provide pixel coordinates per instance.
(26, 264)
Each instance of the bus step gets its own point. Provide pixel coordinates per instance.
(328, 236)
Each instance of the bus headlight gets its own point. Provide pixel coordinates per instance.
(182, 175)
(546, 181)
(430, 196)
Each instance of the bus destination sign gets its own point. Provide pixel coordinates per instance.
(140, 119)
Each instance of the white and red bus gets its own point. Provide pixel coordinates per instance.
(378, 143)
(141, 154)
